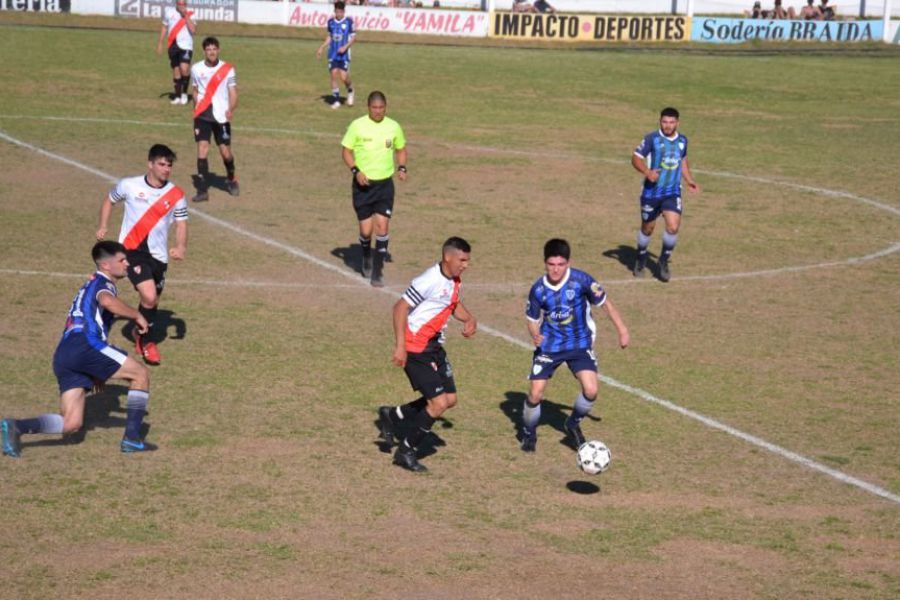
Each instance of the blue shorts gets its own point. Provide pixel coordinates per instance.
(77, 364)
(651, 208)
(545, 363)
(343, 65)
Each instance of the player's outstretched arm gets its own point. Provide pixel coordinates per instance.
(401, 317)
(401, 162)
(612, 312)
(120, 309)
(470, 325)
(179, 251)
(688, 177)
(105, 210)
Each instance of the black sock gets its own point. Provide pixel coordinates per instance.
(229, 168)
(177, 84)
(202, 173)
(366, 244)
(411, 409)
(421, 427)
(349, 89)
(381, 244)
(150, 315)
(185, 84)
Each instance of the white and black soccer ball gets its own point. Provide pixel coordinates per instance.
(593, 457)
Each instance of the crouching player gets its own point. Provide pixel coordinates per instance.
(84, 359)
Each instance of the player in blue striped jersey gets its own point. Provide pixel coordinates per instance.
(340, 36)
(662, 159)
(84, 358)
(563, 331)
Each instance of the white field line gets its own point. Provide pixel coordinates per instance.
(642, 394)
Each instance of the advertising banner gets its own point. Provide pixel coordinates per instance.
(893, 36)
(734, 31)
(55, 6)
(204, 10)
(458, 23)
(589, 28)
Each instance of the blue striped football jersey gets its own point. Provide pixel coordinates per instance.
(564, 310)
(667, 155)
(86, 315)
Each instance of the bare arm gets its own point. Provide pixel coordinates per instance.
(346, 46)
(401, 160)
(105, 211)
(470, 325)
(350, 161)
(534, 330)
(640, 165)
(323, 46)
(189, 23)
(688, 177)
(162, 36)
(232, 101)
(610, 309)
(120, 309)
(401, 316)
(181, 238)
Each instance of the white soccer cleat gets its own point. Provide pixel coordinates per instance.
(184, 99)
(335, 104)
(175, 101)
(350, 99)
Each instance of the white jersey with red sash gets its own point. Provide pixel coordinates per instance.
(212, 88)
(177, 29)
(432, 298)
(149, 212)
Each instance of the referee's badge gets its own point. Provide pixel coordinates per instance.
(388, 143)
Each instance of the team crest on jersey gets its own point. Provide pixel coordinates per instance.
(596, 289)
(681, 145)
(434, 365)
(388, 143)
(137, 269)
(570, 294)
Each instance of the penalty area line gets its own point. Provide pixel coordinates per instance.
(634, 391)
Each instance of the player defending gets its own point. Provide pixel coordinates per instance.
(662, 159)
(340, 36)
(420, 317)
(215, 98)
(563, 331)
(152, 204)
(178, 29)
(368, 149)
(84, 359)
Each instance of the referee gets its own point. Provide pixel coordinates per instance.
(368, 149)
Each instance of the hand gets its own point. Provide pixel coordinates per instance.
(624, 339)
(228, 115)
(101, 234)
(361, 179)
(469, 327)
(538, 340)
(693, 187)
(177, 252)
(402, 175)
(399, 357)
(319, 54)
(342, 49)
(141, 323)
(158, 49)
(653, 175)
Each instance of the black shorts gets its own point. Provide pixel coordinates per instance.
(430, 373)
(178, 55)
(142, 267)
(377, 197)
(204, 130)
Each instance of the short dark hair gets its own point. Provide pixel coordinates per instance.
(339, 5)
(557, 247)
(456, 243)
(669, 112)
(161, 151)
(106, 249)
(211, 41)
(376, 95)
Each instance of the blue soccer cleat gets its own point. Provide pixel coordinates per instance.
(12, 446)
(129, 446)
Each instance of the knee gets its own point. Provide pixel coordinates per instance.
(439, 404)
(589, 392)
(72, 423)
(672, 229)
(451, 401)
(648, 227)
(533, 400)
(150, 301)
(141, 379)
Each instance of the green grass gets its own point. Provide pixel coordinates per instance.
(268, 480)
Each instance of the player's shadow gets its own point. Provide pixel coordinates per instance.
(328, 99)
(101, 410)
(627, 255)
(428, 446)
(165, 321)
(170, 95)
(552, 414)
(213, 181)
(351, 255)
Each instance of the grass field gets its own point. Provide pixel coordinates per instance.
(781, 321)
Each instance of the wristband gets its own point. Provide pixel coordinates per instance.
(354, 169)
(402, 168)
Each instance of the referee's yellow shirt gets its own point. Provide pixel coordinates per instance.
(373, 145)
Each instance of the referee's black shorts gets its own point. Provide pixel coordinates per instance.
(430, 373)
(377, 197)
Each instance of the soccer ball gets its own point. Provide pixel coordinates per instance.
(593, 457)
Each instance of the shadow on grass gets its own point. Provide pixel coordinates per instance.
(165, 319)
(582, 487)
(552, 414)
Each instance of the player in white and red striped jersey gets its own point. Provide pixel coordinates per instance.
(178, 29)
(215, 98)
(420, 317)
(152, 204)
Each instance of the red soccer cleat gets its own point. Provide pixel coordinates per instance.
(147, 350)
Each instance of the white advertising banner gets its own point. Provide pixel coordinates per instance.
(893, 33)
(421, 21)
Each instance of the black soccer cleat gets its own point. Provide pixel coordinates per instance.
(234, 188)
(386, 426)
(406, 457)
(574, 431)
(529, 441)
(664, 273)
(200, 196)
(639, 263)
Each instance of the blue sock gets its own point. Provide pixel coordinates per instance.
(135, 409)
(49, 423)
(29, 425)
(531, 416)
(336, 94)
